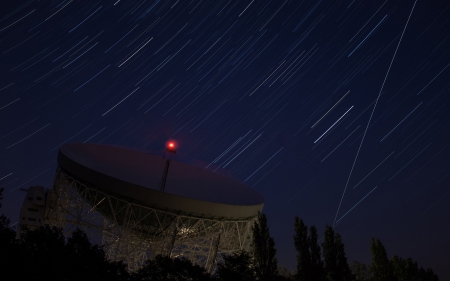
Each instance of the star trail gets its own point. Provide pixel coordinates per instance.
(302, 100)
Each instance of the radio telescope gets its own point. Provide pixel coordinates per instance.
(116, 194)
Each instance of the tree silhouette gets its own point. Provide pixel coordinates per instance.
(9, 248)
(309, 262)
(164, 268)
(265, 263)
(302, 247)
(380, 266)
(317, 271)
(361, 271)
(236, 267)
(335, 261)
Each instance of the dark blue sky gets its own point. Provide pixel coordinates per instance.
(274, 93)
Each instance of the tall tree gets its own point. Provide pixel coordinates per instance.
(335, 262)
(264, 261)
(344, 271)
(380, 266)
(316, 264)
(329, 254)
(302, 246)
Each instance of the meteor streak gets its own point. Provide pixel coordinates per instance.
(373, 170)
(356, 204)
(333, 125)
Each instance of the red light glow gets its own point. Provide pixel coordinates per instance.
(171, 145)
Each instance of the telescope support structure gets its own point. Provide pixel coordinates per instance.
(134, 232)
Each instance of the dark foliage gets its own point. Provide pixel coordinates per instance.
(361, 271)
(236, 267)
(380, 266)
(43, 254)
(396, 269)
(265, 264)
(166, 269)
(335, 262)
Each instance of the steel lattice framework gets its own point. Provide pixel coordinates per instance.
(133, 232)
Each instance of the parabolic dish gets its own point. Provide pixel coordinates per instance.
(136, 175)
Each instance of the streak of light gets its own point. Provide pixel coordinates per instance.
(70, 138)
(415, 138)
(12, 69)
(330, 110)
(40, 59)
(267, 78)
(115, 130)
(373, 110)
(18, 20)
(171, 39)
(180, 100)
(16, 10)
(306, 16)
(274, 15)
(357, 47)
(18, 128)
(94, 135)
(432, 205)
(208, 116)
(242, 150)
(333, 124)
(245, 9)
(120, 102)
(121, 39)
(58, 10)
(85, 19)
(373, 170)
(80, 55)
(29, 180)
(260, 51)
(263, 164)
(427, 162)
(356, 204)
(27, 136)
(162, 98)
(6, 176)
(20, 43)
(295, 195)
(287, 68)
(443, 178)
(228, 149)
(70, 49)
(432, 80)
(267, 173)
(400, 122)
(135, 52)
(93, 78)
(340, 143)
(367, 21)
(272, 118)
(9, 103)
(6, 86)
(410, 161)
(174, 55)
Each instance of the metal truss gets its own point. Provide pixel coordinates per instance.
(134, 232)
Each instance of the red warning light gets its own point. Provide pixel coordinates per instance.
(171, 146)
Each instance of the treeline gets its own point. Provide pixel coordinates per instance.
(45, 254)
(329, 263)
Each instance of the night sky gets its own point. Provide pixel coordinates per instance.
(301, 100)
